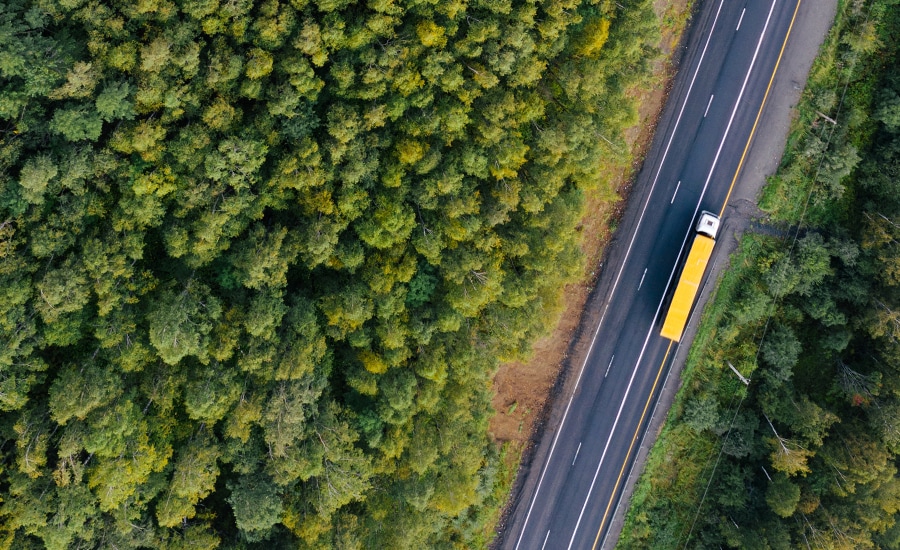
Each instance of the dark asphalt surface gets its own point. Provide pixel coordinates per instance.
(569, 497)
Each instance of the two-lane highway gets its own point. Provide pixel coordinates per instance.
(712, 114)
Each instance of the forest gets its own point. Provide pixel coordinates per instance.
(806, 455)
(260, 259)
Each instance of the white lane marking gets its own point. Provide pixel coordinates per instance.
(545, 540)
(619, 275)
(609, 366)
(640, 284)
(576, 453)
(706, 112)
(743, 11)
(677, 187)
(684, 242)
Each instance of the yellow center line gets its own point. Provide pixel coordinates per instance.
(759, 113)
(631, 447)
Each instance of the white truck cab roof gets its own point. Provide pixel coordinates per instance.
(708, 224)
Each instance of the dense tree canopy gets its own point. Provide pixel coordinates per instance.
(259, 259)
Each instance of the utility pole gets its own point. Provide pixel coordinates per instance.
(746, 381)
(780, 439)
(826, 117)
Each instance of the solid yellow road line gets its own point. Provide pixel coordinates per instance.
(631, 447)
(761, 107)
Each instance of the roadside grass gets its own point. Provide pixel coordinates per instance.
(507, 465)
(674, 20)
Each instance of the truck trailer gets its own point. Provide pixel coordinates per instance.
(691, 275)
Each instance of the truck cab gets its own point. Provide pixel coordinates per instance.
(708, 224)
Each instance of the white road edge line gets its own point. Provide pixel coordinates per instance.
(677, 187)
(659, 307)
(618, 277)
(576, 453)
(743, 11)
(706, 112)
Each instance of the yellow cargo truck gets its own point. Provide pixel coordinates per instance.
(691, 274)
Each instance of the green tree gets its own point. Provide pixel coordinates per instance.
(75, 391)
(113, 104)
(35, 176)
(77, 123)
(194, 475)
(70, 520)
(181, 320)
(210, 392)
(346, 470)
(257, 506)
(263, 259)
(780, 349)
(783, 496)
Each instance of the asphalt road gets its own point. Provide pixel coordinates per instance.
(733, 53)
